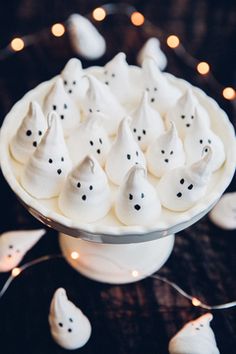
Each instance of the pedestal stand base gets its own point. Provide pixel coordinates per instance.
(116, 264)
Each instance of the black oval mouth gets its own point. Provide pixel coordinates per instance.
(59, 171)
(137, 207)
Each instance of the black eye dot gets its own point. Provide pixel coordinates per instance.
(171, 153)
(100, 140)
(60, 324)
(84, 197)
(155, 88)
(65, 82)
(69, 330)
(181, 181)
(74, 82)
(147, 89)
(200, 141)
(70, 319)
(142, 195)
(90, 110)
(136, 153)
(128, 156)
(50, 161)
(162, 151)
(183, 116)
(91, 142)
(28, 132)
(65, 106)
(179, 195)
(134, 130)
(130, 196)
(98, 151)
(91, 188)
(209, 141)
(62, 158)
(144, 132)
(113, 75)
(39, 132)
(192, 117)
(35, 143)
(54, 107)
(78, 184)
(190, 187)
(10, 246)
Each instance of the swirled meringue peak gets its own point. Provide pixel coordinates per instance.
(69, 327)
(161, 93)
(183, 113)
(29, 134)
(86, 194)
(46, 170)
(151, 48)
(179, 189)
(90, 138)
(146, 124)
(137, 201)
(59, 101)
(199, 136)
(123, 154)
(85, 38)
(165, 153)
(99, 98)
(196, 337)
(74, 83)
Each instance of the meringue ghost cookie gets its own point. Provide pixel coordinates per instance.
(116, 77)
(161, 93)
(90, 138)
(74, 83)
(59, 101)
(86, 195)
(183, 113)
(85, 38)
(152, 49)
(14, 245)
(123, 154)
(224, 213)
(165, 153)
(201, 135)
(69, 327)
(137, 202)
(181, 188)
(99, 98)
(196, 337)
(46, 170)
(147, 123)
(29, 134)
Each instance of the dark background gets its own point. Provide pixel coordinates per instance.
(141, 317)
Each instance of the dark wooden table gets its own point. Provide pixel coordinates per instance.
(141, 317)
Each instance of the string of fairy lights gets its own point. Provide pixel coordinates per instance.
(137, 19)
(134, 272)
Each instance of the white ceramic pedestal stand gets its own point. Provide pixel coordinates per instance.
(116, 263)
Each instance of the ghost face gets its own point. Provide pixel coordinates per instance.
(10, 255)
(70, 85)
(109, 77)
(152, 90)
(56, 164)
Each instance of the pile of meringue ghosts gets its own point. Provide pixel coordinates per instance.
(96, 130)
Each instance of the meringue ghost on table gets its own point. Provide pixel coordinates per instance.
(137, 202)
(165, 153)
(224, 213)
(46, 170)
(99, 98)
(58, 100)
(85, 38)
(14, 245)
(200, 135)
(29, 133)
(183, 113)
(151, 48)
(86, 195)
(90, 138)
(69, 327)
(74, 83)
(161, 93)
(123, 154)
(146, 124)
(179, 189)
(196, 337)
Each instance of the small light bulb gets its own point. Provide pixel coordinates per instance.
(135, 273)
(15, 271)
(74, 255)
(99, 14)
(173, 41)
(203, 68)
(137, 19)
(17, 44)
(58, 29)
(195, 301)
(229, 93)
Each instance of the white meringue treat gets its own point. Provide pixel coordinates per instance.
(224, 213)
(183, 113)
(46, 170)
(90, 138)
(165, 153)
(29, 134)
(99, 98)
(123, 154)
(74, 83)
(58, 100)
(146, 124)
(181, 188)
(137, 201)
(85, 38)
(161, 93)
(199, 136)
(14, 245)
(86, 194)
(196, 337)
(151, 48)
(69, 327)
